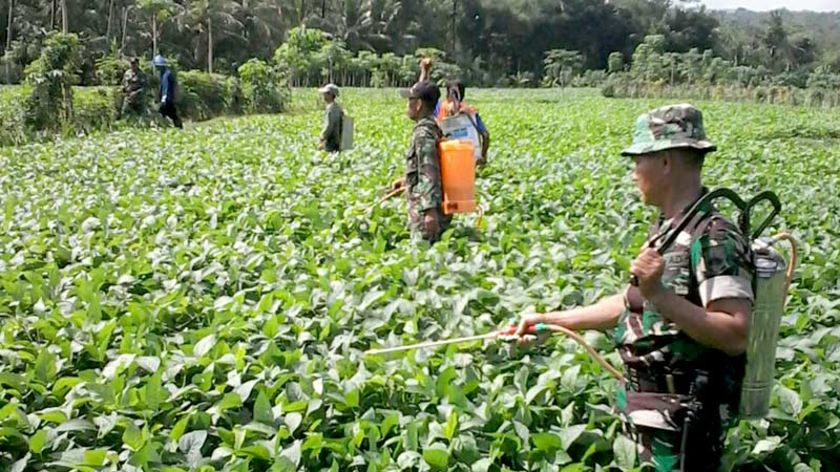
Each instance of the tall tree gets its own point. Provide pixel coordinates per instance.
(65, 18)
(158, 11)
(215, 20)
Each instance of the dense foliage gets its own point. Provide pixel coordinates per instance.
(199, 299)
(655, 72)
(51, 77)
(25, 116)
(490, 41)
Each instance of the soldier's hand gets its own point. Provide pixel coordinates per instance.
(527, 324)
(398, 184)
(426, 63)
(648, 268)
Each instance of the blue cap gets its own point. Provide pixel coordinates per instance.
(159, 61)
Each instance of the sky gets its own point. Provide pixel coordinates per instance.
(764, 5)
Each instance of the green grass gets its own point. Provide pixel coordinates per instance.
(201, 299)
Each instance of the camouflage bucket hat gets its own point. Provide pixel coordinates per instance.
(669, 127)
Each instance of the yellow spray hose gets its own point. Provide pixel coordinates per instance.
(589, 350)
(511, 334)
(390, 195)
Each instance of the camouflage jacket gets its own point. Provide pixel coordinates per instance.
(133, 83)
(422, 174)
(709, 261)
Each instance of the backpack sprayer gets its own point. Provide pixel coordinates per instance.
(771, 281)
(457, 170)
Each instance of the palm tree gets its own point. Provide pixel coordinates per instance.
(263, 25)
(158, 12)
(9, 33)
(65, 24)
(216, 19)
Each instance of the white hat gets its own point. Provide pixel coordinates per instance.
(329, 88)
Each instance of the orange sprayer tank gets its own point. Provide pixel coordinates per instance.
(457, 168)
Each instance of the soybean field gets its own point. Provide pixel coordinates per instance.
(200, 300)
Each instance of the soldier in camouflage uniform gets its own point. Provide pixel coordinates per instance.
(134, 90)
(424, 187)
(682, 331)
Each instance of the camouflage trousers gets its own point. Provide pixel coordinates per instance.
(674, 433)
(418, 226)
(132, 107)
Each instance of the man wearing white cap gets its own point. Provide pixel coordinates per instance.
(331, 133)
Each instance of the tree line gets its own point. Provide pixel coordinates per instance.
(505, 42)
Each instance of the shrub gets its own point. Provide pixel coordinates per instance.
(203, 96)
(95, 108)
(50, 102)
(260, 90)
(110, 70)
(12, 110)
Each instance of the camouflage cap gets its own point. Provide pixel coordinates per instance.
(669, 127)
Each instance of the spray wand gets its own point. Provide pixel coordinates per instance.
(509, 334)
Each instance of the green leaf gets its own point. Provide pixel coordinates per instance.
(315, 442)
(83, 458)
(14, 381)
(155, 394)
(548, 442)
(283, 464)
(230, 400)
(20, 465)
(437, 456)
(262, 409)
(569, 435)
(293, 420)
(390, 422)
(145, 456)
(95, 457)
(624, 450)
(766, 446)
(789, 401)
(574, 468)
(179, 428)
(203, 346)
(451, 428)
(257, 451)
(190, 445)
(64, 384)
(38, 441)
(74, 425)
(292, 453)
(481, 465)
(244, 390)
(570, 377)
(45, 367)
(133, 437)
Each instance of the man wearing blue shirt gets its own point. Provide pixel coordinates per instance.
(167, 91)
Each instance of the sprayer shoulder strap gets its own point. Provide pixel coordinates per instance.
(696, 233)
(472, 122)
